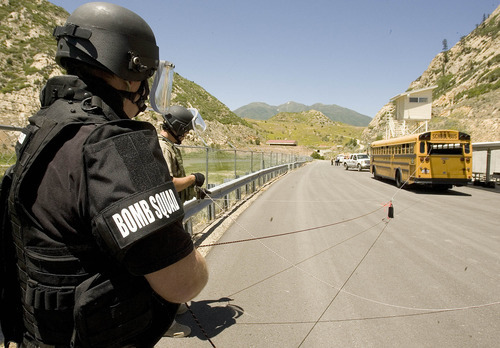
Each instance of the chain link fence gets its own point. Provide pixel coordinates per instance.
(220, 166)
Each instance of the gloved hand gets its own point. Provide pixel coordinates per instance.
(199, 179)
(201, 192)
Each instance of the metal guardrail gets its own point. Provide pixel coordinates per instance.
(250, 181)
(10, 128)
(194, 206)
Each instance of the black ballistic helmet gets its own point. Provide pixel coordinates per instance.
(109, 37)
(178, 120)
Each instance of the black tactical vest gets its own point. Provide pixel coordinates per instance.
(66, 299)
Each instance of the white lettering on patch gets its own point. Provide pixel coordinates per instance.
(146, 211)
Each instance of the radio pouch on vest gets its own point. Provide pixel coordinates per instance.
(101, 303)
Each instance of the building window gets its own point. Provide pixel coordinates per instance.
(418, 99)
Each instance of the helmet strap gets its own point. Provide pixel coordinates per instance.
(142, 92)
(170, 130)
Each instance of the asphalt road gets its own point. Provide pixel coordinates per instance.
(336, 272)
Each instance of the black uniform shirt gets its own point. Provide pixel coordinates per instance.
(76, 186)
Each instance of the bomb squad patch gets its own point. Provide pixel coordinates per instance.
(135, 217)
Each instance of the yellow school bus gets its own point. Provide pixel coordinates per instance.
(439, 158)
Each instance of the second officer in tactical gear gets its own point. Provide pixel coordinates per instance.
(178, 121)
(102, 257)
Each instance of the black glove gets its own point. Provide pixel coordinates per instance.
(201, 192)
(199, 179)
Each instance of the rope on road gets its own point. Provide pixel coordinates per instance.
(291, 232)
(199, 325)
(340, 289)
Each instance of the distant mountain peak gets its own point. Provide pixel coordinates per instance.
(263, 111)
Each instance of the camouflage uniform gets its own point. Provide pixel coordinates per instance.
(173, 157)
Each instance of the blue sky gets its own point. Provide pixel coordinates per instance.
(353, 53)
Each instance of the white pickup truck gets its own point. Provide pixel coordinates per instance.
(358, 161)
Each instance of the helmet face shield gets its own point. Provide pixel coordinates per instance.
(197, 122)
(161, 91)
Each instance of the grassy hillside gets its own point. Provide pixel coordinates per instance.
(310, 128)
(25, 33)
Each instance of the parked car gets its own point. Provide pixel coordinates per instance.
(358, 161)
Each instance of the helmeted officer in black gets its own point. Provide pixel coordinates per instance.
(102, 258)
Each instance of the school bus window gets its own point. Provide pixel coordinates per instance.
(467, 148)
(422, 147)
(445, 149)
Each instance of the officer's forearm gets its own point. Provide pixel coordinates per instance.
(183, 183)
(182, 281)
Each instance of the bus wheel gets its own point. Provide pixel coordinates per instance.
(399, 182)
(375, 176)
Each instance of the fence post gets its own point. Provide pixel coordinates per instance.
(235, 176)
(206, 164)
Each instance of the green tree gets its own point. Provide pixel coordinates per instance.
(445, 45)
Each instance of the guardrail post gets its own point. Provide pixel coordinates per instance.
(188, 226)
(211, 207)
(238, 192)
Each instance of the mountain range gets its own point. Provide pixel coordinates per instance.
(467, 97)
(263, 111)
